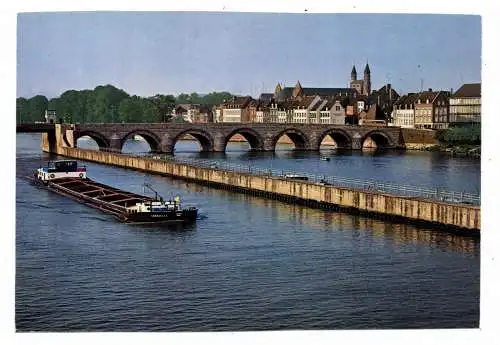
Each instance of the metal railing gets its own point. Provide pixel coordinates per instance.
(437, 194)
(369, 185)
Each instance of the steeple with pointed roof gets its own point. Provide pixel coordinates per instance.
(354, 74)
(367, 84)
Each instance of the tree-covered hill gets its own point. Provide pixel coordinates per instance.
(108, 104)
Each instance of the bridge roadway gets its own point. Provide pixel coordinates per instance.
(35, 127)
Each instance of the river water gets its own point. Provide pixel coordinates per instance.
(248, 263)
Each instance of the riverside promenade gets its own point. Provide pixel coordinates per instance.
(443, 209)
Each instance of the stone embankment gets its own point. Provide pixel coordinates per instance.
(441, 214)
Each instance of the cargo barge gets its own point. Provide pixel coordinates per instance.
(65, 177)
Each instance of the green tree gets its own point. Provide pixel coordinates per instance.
(164, 105)
(36, 108)
(215, 98)
(22, 110)
(183, 98)
(194, 98)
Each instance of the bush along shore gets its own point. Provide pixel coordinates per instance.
(458, 150)
(459, 141)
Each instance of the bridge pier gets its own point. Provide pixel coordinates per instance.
(115, 143)
(356, 144)
(219, 143)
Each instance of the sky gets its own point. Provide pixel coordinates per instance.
(146, 53)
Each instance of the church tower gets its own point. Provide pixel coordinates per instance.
(367, 84)
(354, 74)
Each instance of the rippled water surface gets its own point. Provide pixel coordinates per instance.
(247, 263)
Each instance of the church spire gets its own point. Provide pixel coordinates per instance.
(367, 83)
(354, 74)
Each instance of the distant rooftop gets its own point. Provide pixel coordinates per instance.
(468, 90)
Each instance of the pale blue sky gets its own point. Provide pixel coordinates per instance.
(146, 53)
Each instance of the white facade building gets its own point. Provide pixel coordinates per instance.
(403, 113)
(465, 104)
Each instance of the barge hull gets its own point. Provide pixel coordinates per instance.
(112, 201)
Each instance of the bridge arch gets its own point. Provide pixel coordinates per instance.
(100, 139)
(152, 139)
(204, 139)
(377, 139)
(253, 138)
(340, 136)
(299, 138)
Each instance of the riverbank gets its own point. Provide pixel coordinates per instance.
(473, 151)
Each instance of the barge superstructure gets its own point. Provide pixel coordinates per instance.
(67, 178)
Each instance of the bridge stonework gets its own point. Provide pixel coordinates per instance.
(261, 136)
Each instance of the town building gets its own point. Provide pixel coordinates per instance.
(262, 111)
(331, 112)
(50, 116)
(368, 116)
(465, 105)
(431, 109)
(203, 114)
(403, 114)
(384, 99)
(282, 94)
(234, 110)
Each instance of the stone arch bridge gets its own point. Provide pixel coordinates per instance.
(214, 136)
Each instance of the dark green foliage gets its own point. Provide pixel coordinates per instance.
(31, 110)
(210, 99)
(109, 104)
(460, 135)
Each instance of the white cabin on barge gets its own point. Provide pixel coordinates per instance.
(61, 169)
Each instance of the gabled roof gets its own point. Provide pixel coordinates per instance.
(468, 90)
(266, 97)
(240, 101)
(406, 99)
(427, 95)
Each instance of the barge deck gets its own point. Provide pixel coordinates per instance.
(126, 206)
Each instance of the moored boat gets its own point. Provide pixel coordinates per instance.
(65, 177)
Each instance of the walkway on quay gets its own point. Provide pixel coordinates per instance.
(434, 194)
(460, 211)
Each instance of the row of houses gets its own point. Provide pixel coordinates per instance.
(356, 104)
(438, 109)
(309, 106)
(307, 109)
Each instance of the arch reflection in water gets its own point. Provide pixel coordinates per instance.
(325, 220)
(87, 143)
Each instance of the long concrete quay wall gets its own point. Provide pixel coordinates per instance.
(457, 216)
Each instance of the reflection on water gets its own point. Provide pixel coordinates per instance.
(420, 168)
(326, 220)
(248, 263)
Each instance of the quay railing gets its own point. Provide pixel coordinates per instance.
(438, 194)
